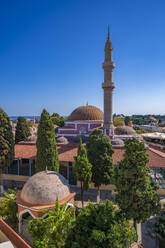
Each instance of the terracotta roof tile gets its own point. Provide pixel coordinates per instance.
(67, 153)
(135, 245)
(25, 151)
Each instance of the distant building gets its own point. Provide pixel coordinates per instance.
(33, 129)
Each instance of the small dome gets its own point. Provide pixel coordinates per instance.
(87, 112)
(44, 188)
(125, 130)
(62, 140)
(117, 142)
(32, 138)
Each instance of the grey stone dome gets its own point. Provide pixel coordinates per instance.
(125, 130)
(44, 188)
(32, 138)
(117, 142)
(62, 140)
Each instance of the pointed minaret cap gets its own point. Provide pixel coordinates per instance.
(108, 33)
(108, 44)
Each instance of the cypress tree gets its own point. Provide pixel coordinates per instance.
(47, 154)
(22, 129)
(135, 192)
(82, 170)
(6, 143)
(99, 150)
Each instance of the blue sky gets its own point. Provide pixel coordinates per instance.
(51, 55)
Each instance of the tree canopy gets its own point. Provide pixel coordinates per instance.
(100, 226)
(6, 141)
(58, 120)
(8, 207)
(47, 154)
(118, 121)
(127, 119)
(22, 129)
(52, 231)
(82, 169)
(157, 229)
(135, 192)
(99, 150)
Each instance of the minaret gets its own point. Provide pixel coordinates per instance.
(108, 87)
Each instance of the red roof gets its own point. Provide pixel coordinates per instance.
(135, 245)
(14, 238)
(67, 153)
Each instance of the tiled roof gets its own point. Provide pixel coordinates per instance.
(43, 206)
(135, 245)
(87, 112)
(25, 151)
(15, 239)
(67, 153)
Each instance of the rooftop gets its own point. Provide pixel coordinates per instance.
(67, 153)
(87, 112)
(12, 236)
(154, 135)
(44, 188)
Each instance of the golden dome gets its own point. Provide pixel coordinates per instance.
(86, 113)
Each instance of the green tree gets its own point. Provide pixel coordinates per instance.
(100, 226)
(99, 150)
(57, 120)
(118, 121)
(157, 229)
(47, 154)
(82, 169)
(6, 144)
(22, 129)
(8, 207)
(127, 119)
(135, 192)
(52, 231)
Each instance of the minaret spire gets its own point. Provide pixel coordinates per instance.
(108, 87)
(108, 33)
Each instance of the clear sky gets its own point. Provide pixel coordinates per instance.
(51, 54)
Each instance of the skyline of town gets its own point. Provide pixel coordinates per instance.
(53, 64)
(82, 124)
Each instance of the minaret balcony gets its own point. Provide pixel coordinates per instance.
(108, 65)
(110, 85)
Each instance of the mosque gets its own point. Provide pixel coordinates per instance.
(84, 119)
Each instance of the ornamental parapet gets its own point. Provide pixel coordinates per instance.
(108, 65)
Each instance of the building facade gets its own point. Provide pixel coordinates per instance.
(82, 121)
